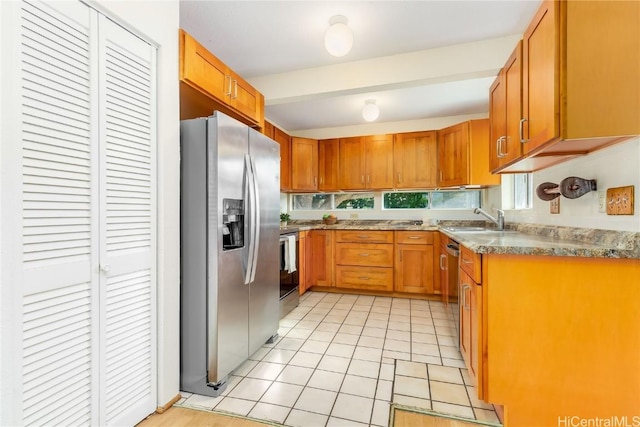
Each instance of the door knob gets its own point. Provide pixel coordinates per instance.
(105, 268)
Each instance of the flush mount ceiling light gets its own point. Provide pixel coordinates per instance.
(370, 112)
(338, 39)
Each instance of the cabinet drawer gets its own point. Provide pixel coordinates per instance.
(364, 236)
(471, 263)
(370, 278)
(376, 255)
(414, 237)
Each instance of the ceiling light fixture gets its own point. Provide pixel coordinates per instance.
(370, 112)
(338, 39)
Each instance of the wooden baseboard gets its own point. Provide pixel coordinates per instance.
(377, 293)
(169, 404)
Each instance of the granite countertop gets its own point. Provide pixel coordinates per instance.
(605, 243)
(518, 239)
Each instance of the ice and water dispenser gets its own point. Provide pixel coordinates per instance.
(232, 224)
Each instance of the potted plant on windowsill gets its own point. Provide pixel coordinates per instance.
(284, 219)
(329, 219)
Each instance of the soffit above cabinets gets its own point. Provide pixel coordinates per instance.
(418, 59)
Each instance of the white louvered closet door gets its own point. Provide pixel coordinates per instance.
(59, 220)
(88, 185)
(127, 225)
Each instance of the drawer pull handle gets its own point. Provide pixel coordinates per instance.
(467, 261)
(363, 278)
(415, 237)
(363, 236)
(364, 254)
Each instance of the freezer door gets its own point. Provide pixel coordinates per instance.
(264, 304)
(228, 296)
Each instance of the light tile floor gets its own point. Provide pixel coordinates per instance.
(341, 360)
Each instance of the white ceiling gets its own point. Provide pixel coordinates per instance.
(417, 59)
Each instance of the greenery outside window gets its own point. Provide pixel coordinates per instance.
(326, 201)
(402, 200)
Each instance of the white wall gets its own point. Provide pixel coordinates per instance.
(615, 166)
(159, 22)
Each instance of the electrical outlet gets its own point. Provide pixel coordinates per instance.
(353, 216)
(602, 201)
(554, 206)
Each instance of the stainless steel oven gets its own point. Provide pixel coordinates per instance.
(289, 277)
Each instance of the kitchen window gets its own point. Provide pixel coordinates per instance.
(388, 200)
(464, 199)
(327, 201)
(517, 191)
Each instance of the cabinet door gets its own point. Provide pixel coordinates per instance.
(304, 164)
(244, 97)
(304, 262)
(203, 70)
(285, 158)
(374, 255)
(466, 284)
(497, 114)
(365, 278)
(415, 156)
(328, 164)
(414, 269)
(512, 147)
(379, 161)
(322, 255)
(541, 101)
(453, 155)
(352, 167)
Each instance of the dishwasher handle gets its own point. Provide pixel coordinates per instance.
(453, 249)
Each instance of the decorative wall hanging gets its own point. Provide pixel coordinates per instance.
(571, 187)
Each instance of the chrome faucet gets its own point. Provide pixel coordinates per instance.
(499, 221)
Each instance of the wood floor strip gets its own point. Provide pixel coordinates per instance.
(186, 417)
(411, 417)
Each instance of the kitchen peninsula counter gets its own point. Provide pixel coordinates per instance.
(518, 239)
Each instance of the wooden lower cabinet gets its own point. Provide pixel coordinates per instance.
(414, 259)
(365, 278)
(322, 260)
(544, 336)
(305, 261)
(364, 260)
(470, 324)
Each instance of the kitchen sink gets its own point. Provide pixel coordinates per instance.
(462, 228)
(480, 230)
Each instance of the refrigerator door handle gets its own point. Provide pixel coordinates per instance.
(255, 213)
(249, 201)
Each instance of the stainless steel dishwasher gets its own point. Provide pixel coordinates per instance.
(453, 253)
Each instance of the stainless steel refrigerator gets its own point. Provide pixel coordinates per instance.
(230, 206)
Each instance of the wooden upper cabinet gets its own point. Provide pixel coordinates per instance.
(580, 85)
(505, 106)
(379, 161)
(541, 106)
(304, 164)
(415, 155)
(463, 155)
(284, 140)
(351, 169)
(328, 164)
(207, 84)
(366, 162)
(453, 155)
